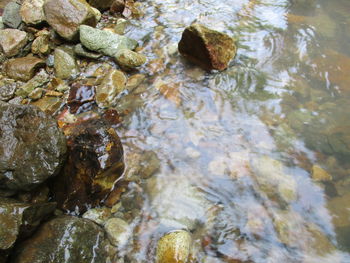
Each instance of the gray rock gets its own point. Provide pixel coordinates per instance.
(11, 16)
(83, 52)
(32, 148)
(105, 42)
(64, 239)
(1, 23)
(118, 231)
(7, 90)
(65, 16)
(98, 215)
(129, 59)
(18, 218)
(65, 65)
(12, 41)
(32, 11)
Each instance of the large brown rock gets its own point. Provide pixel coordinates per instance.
(65, 16)
(95, 162)
(64, 239)
(12, 41)
(23, 68)
(32, 147)
(207, 48)
(19, 219)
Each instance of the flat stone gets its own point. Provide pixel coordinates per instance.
(12, 41)
(11, 16)
(207, 48)
(65, 16)
(32, 11)
(105, 42)
(23, 68)
(83, 52)
(35, 140)
(65, 65)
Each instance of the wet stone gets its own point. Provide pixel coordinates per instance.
(20, 219)
(32, 11)
(140, 164)
(65, 16)
(134, 81)
(23, 68)
(48, 105)
(207, 48)
(174, 247)
(81, 98)
(118, 231)
(319, 174)
(35, 139)
(101, 4)
(11, 16)
(129, 59)
(64, 239)
(37, 81)
(98, 215)
(95, 162)
(12, 41)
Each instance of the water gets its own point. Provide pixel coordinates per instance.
(254, 158)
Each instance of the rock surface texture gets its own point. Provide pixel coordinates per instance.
(207, 48)
(32, 11)
(23, 68)
(65, 16)
(12, 40)
(64, 239)
(32, 148)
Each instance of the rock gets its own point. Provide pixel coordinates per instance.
(340, 210)
(65, 65)
(20, 219)
(48, 105)
(117, 6)
(32, 11)
(207, 48)
(320, 175)
(120, 26)
(129, 59)
(95, 162)
(36, 94)
(1, 24)
(65, 16)
(11, 16)
(101, 4)
(37, 81)
(81, 98)
(174, 247)
(41, 44)
(7, 90)
(104, 42)
(83, 52)
(64, 239)
(112, 84)
(140, 164)
(118, 231)
(12, 41)
(37, 147)
(98, 215)
(23, 68)
(134, 81)
(272, 180)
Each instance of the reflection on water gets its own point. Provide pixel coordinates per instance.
(253, 159)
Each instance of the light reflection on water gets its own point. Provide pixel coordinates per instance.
(238, 147)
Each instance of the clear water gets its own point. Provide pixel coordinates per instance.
(238, 147)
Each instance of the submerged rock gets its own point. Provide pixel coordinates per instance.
(12, 41)
(64, 239)
(32, 11)
(98, 215)
(65, 65)
(11, 16)
(95, 162)
(174, 247)
(118, 231)
(81, 98)
(129, 59)
(207, 48)
(105, 42)
(20, 219)
(65, 16)
(112, 84)
(23, 68)
(32, 148)
(319, 174)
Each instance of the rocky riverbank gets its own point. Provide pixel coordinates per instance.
(65, 65)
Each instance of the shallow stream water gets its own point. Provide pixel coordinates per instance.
(254, 159)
